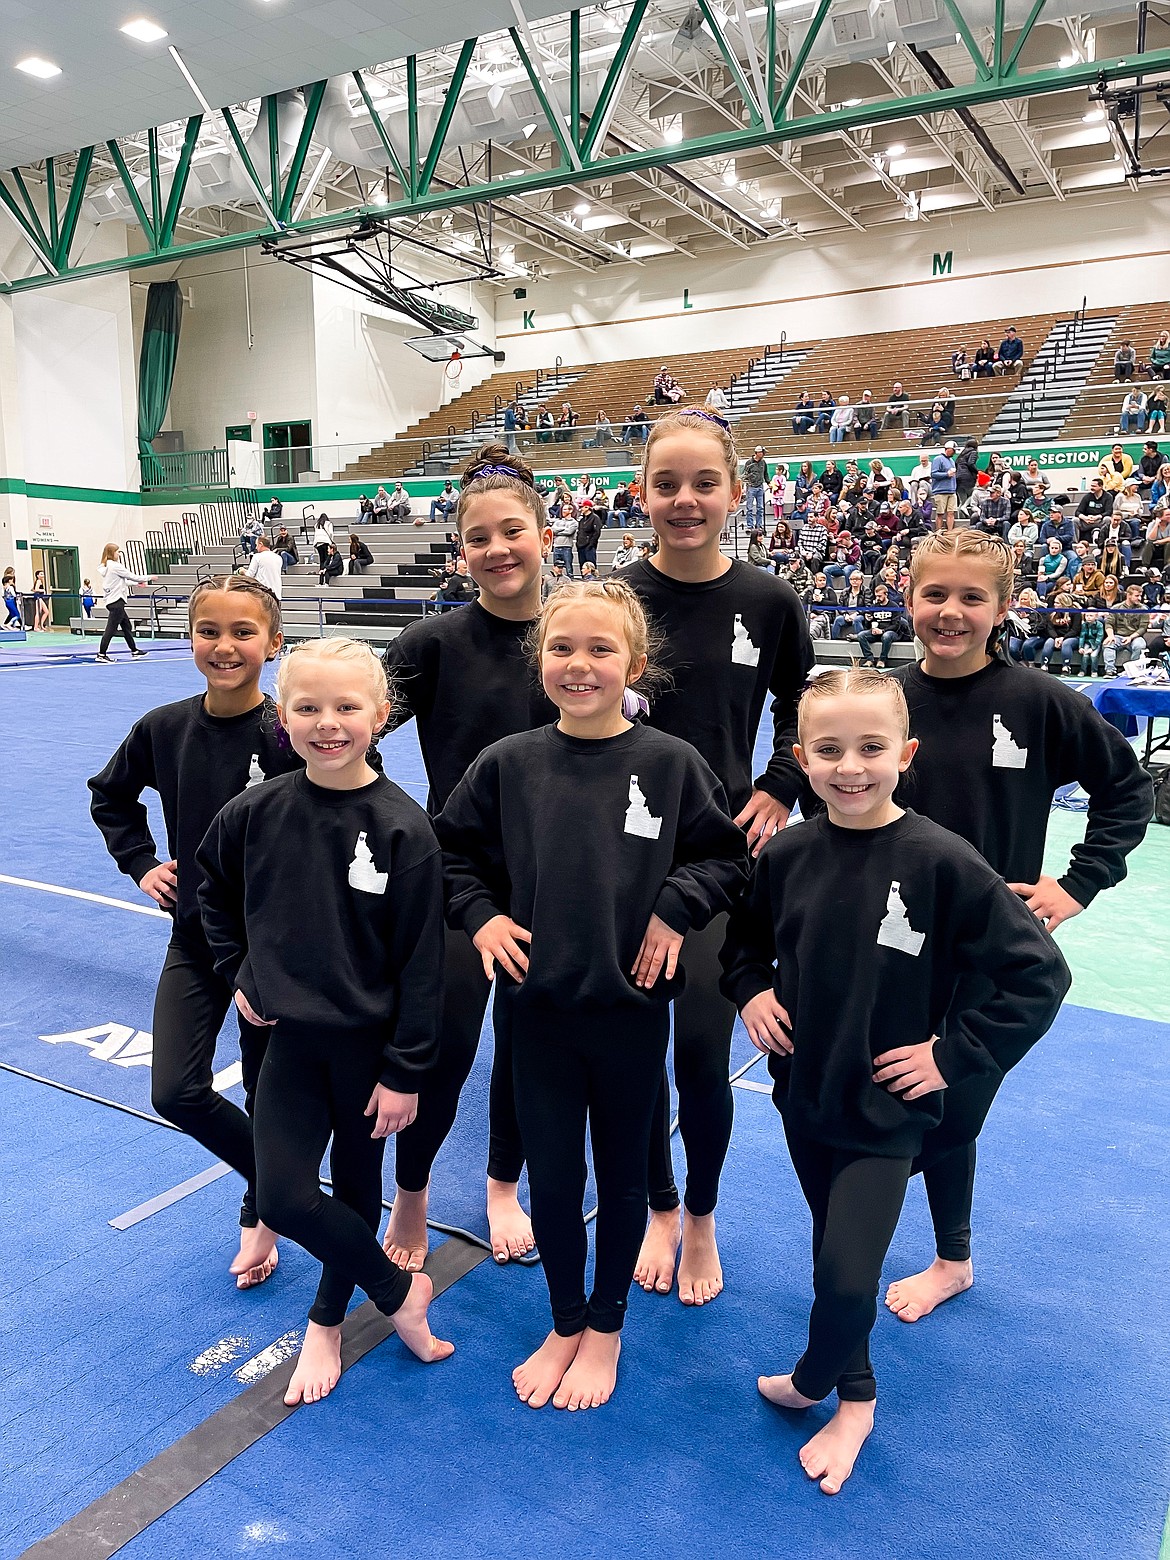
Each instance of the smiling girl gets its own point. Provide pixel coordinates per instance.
(651, 857)
(997, 741)
(197, 754)
(732, 634)
(853, 959)
(350, 993)
(465, 678)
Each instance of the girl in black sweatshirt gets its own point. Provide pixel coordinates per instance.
(197, 754)
(997, 741)
(601, 824)
(351, 992)
(733, 636)
(858, 959)
(466, 679)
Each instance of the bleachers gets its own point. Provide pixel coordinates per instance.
(1095, 413)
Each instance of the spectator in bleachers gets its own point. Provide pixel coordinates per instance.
(284, 545)
(822, 602)
(1088, 581)
(566, 422)
(1128, 503)
(667, 390)
(602, 430)
(877, 481)
(637, 427)
(365, 510)
(757, 552)
(1024, 529)
(381, 504)
(804, 413)
(1110, 592)
(544, 426)
(797, 575)
(252, 531)
(780, 544)
(844, 557)
(564, 537)
(1133, 411)
(1114, 469)
(1160, 356)
(777, 489)
(511, 425)
(360, 556)
(967, 470)
(1154, 592)
(943, 487)
(1011, 351)
(897, 408)
(1095, 505)
(755, 479)
(812, 543)
(1023, 568)
(995, 511)
(588, 533)
(1125, 630)
(322, 538)
(805, 477)
(274, 509)
(626, 554)
(1113, 540)
(961, 365)
(1090, 644)
(1160, 487)
(841, 421)
(867, 424)
(1156, 410)
(1053, 569)
(622, 499)
(332, 566)
(884, 623)
(934, 422)
(1036, 504)
(833, 479)
(1145, 473)
(1060, 526)
(601, 508)
(456, 588)
(984, 365)
(1033, 475)
(825, 407)
(398, 509)
(585, 487)
(444, 504)
(819, 503)
(998, 469)
(1063, 638)
(717, 401)
(1124, 362)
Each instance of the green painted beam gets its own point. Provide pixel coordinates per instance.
(179, 182)
(730, 143)
(273, 151)
(569, 153)
(450, 101)
(412, 122)
(575, 78)
(296, 167)
(997, 58)
(780, 106)
(155, 182)
(72, 214)
(387, 146)
(982, 69)
(34, 215)
(131, 188)
(602, 113)
(733, 67)
(770, 45)
(31, 238)
(1025, 33)
(51, 193)
(249, 169)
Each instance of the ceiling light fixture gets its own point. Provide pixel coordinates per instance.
(730, 177)
(35, 66)
(1093, 117)
(582, 208)
(673, 134)
(530, 130)
(851, 103)
(1066, 60)
(897, 150)
(144, 31)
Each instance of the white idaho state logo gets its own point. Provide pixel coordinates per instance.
(256, 775)
(363, 874)
(638, 819)
(743, 652)
(1006, 752)
(895, 930)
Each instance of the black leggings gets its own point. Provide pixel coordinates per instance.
(855, 1201)
(465, 997)
(313, 1085)
(189, 1010)
(604, 1069)
(703, 1021)
(947, 1164)
(117, 621)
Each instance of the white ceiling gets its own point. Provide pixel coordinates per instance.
(111, 86)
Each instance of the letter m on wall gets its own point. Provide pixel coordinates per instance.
(942, 264)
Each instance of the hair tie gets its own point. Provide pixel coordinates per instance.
(504, 471)
(698, 411)
(634, 704)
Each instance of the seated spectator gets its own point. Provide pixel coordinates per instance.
(805, 478)
(274, 509)
(585, 487)
(819, 503)
(1033, 475)
(825, 407)
(854, 600)
(757, 553)
(626, 554)
(622, 499)
(556, 576)
(948, 409)
(398, 506)
(833, 480)
(645, 552)
(1124, 362)
(589, 572)
(1156, 410)
(1096, 504)
(804, 413)
(285, 547)
(841, 421)
(934, 424)
(1111, 593)
(797, 575)
(822, 604)
(1128, 503)
(566, 422)
(1088, 582)
(995, 513)
(332, 566)
(601, 508)
(1036, 504)
(360, 556)
(1029, 628)
(667, 390)
(267, 566)
(812, 543)
(456, 589)
(844, 557)
(1153, 591)
(1113, 540)
(603, 431)
(636, 429)
(780, 543)
(1114, 469)
(897, 408)
(998, 469)
(1125, 630)
(1160, 486)
(866, 421)
(365, 512)
(1090, 644)
(1011, 352)
(1133, 411)
(984, 364)
(717, 401)
(877, 481)
(252, 531)
(1146, 471)
(1024, 529)
(1160, 357)
(961, 365)
(544, 426)
(1062, 641)
(1063, 528)
(1023, 568)
(1053, 569)
(882, 622)
(381, 503)
(444, 505)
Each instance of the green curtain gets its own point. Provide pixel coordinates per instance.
(156, 371)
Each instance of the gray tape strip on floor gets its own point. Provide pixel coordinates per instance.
(159, 1485)
(194, 1183)
(753, 1086)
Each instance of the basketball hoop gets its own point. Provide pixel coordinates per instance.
(454, 366)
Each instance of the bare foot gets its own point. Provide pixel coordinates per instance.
(700, 1276)
(779, 1390)
(655, 1269)
(831, 1453)
(406, 1241)
(318, 1367)
(509, 1226)
(257, 1256)
(540, 1375)
(411, 1324)
(591, 1378)
(911, 1299)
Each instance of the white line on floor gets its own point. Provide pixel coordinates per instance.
(79, 893)
(756, 1088)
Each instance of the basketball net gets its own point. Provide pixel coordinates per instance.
(454, 367)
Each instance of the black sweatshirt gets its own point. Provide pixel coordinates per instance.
(465, 678)
(325, 908)
(996, 745)
(580, 842)
(729, 642)
(883, 938)
(196, 762)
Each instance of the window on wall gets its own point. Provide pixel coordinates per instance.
(288, 450)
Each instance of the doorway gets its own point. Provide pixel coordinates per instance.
(288, 450)
(241, 431)
(62, 571)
